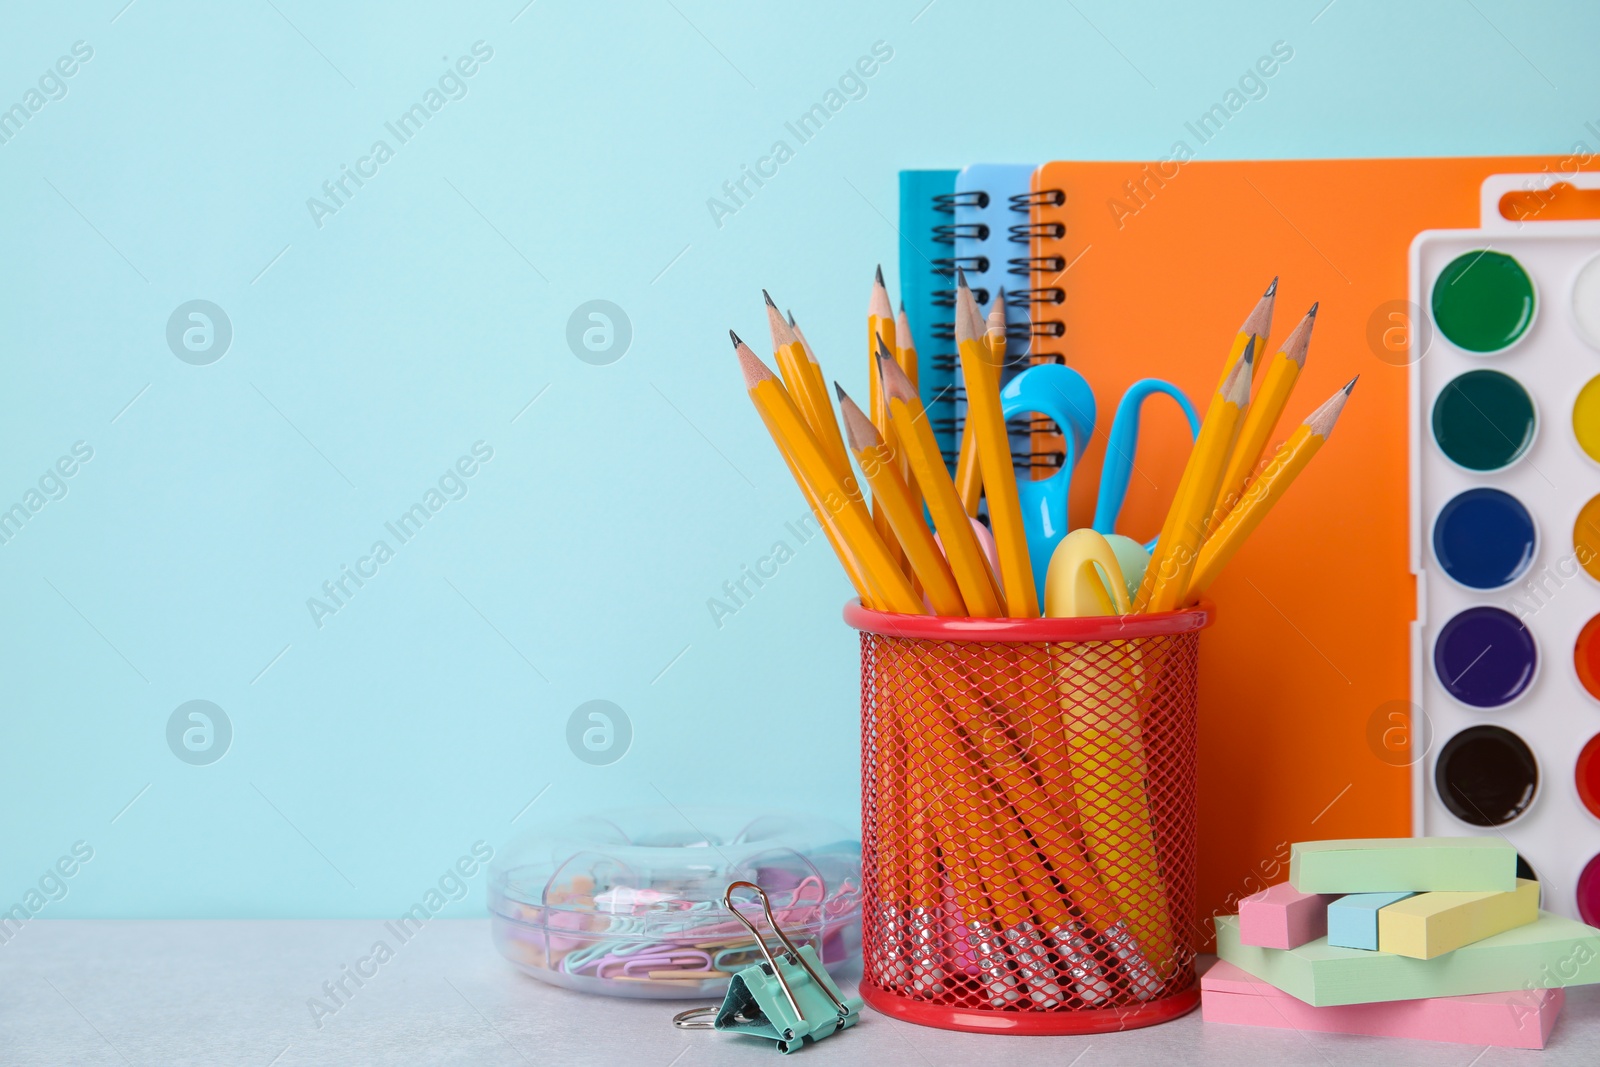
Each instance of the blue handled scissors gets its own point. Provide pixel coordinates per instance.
(1062, 394)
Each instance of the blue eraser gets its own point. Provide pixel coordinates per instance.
(1353, 919)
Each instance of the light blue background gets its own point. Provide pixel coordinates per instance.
(370, 353)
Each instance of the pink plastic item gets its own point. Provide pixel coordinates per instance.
(1282, 917)
(1521, 1018)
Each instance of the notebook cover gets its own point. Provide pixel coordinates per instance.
(920, 280)
(1311, 648)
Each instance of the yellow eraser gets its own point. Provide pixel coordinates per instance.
(1431, 924)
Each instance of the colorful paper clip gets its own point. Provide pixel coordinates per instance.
(789, 999)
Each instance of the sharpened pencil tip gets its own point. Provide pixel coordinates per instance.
(883, 349)
(902, 307)
(790, 316)
(1271, 289)
(1351, 385)
(838, 391)
(1249, 356)
(961, 278)
(878, 276)
(768, 298)
(1313, 312)
(736, 341)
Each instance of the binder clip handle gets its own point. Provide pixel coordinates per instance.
(793, 953)
(753, 1005)
(696, 1018)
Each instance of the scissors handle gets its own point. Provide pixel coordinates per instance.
(1061, 394)
(1121, 443)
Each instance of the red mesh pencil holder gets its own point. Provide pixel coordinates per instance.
(1028, 820)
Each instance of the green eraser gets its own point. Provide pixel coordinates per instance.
(1549, 952)
(1404, 865)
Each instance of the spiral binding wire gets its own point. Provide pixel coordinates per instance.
(946, 298)
(1019, 333)
(1038, 461)
(946, 266)
(948, 202)
(1026, 231)
(1039, 198)
(972, 231)
(1049, 295)
(1026, 265)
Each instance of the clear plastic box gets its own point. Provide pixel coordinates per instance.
(629, 903)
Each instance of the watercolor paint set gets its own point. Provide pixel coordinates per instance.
(1505, 379)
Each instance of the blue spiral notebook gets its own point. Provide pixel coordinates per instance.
(924, 210)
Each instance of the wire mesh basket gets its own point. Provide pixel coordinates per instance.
(1029, 819)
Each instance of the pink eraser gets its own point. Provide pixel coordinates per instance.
(1282, 917)
(1521, 1018)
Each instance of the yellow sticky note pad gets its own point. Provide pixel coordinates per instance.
(1431, 924)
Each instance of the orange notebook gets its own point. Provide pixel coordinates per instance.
(1306, 673)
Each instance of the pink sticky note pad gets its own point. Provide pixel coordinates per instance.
(1282, 917)
(1522, 1018)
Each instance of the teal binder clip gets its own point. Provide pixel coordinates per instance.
(789, 999)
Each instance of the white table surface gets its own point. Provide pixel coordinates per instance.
(235, 992)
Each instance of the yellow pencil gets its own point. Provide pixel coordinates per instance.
(1258, 324)
(880, 324)
(871, 596)
(969, 476)
(1265, 409)
(994, 337)
(806, 389)
(906, 352)
(1174, 559)
(839, 500)
(903, 508)
(994, 458)
(967, 564)
(1287, 463)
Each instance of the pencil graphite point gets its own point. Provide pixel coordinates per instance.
(997, 312)
(1320, 421)
(961, 278)
(883, 349)
(1313, 312)
(755, 372)
(895, 382)
(782, 334)
(1299, 340)
(736, 341)
(1259, 321)
(966, 328)
(790, 315)
(1236, 387)
(878, 276)
(857, 427)
(879, 305)
(768, 298)
(1350, 386)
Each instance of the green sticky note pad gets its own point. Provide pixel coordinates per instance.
(1404, 865)
(1550, 952)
